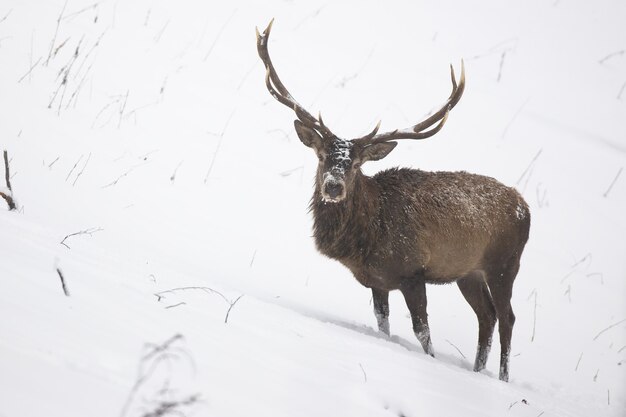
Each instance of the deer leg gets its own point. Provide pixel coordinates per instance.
(501, 287)
(414, 292)
(475, 291)
(381, 309)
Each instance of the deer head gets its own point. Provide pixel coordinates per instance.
(340, 159)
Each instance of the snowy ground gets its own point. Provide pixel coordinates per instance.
(147, 125)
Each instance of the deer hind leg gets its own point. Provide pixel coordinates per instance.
(474, 289)
(381, 309)
(501, 287)
(414, 292)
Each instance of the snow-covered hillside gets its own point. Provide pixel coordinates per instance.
(157, 176)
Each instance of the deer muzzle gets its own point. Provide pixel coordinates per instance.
(333, 189)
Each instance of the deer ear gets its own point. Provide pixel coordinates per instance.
(308, 136)
(377, 151)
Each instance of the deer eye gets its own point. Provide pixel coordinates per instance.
(321, 157)
(356, 165)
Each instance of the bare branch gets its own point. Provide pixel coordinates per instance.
(6, 16)
(65, 290)
(611, 55)
(606, 193)
(148, 369)
(457, 349)
(529, 167)
(89, 232)
(364, 373)
(232, 304)
(578, 363)
(56, 31)
(219, 144)
(82, 170)
(8, 194)
(81, 11)
(621, 90)
(30, 70)
(608, 328)
(209, 290)
(219, 34)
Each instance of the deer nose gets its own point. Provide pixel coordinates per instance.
(334, 189)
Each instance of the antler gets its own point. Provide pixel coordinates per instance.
(419, 131)
(278, 90)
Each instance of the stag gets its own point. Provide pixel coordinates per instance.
(404, 228)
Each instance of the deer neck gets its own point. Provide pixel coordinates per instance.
(345, 230)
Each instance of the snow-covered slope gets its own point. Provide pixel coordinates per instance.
(155, 173)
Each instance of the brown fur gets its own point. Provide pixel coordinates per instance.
(403, 228)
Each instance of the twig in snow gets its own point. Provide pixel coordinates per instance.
(529, 167)
(608, 397)
(253, 256)
(232, 304)
(176, 305)
(173, 176)
(219, 33)
(501, 64)
(89, 232)
(587, 257)
(65, 290)
(157, 37)
(73, 168)
(209, 290)
(81, 11)
(82, 170)
(56, 31)
(122, 108)
(58, 48)
(621, 90)
(149, 365)
(622, 348)
(309, 16)
(114, 182)
(517, 113)
(457, 349)
(53, 162)
(8, 194)
(166, 408)
(608, 328)
(578, 363)
(606, 193)
(30, 70)
(245, 77)
(595, 377)
(534, 292)
(364, 373)
(597, 274)
(345, 80)
(219, 144)
(542, 200)
(6, 15)
(568, 292)
(611, 55)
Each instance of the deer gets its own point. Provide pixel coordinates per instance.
(402, 228)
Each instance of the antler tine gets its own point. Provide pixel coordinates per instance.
(419, 131)
(278, 90)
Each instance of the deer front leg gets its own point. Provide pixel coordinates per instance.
(414, 292)
(381, 309)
